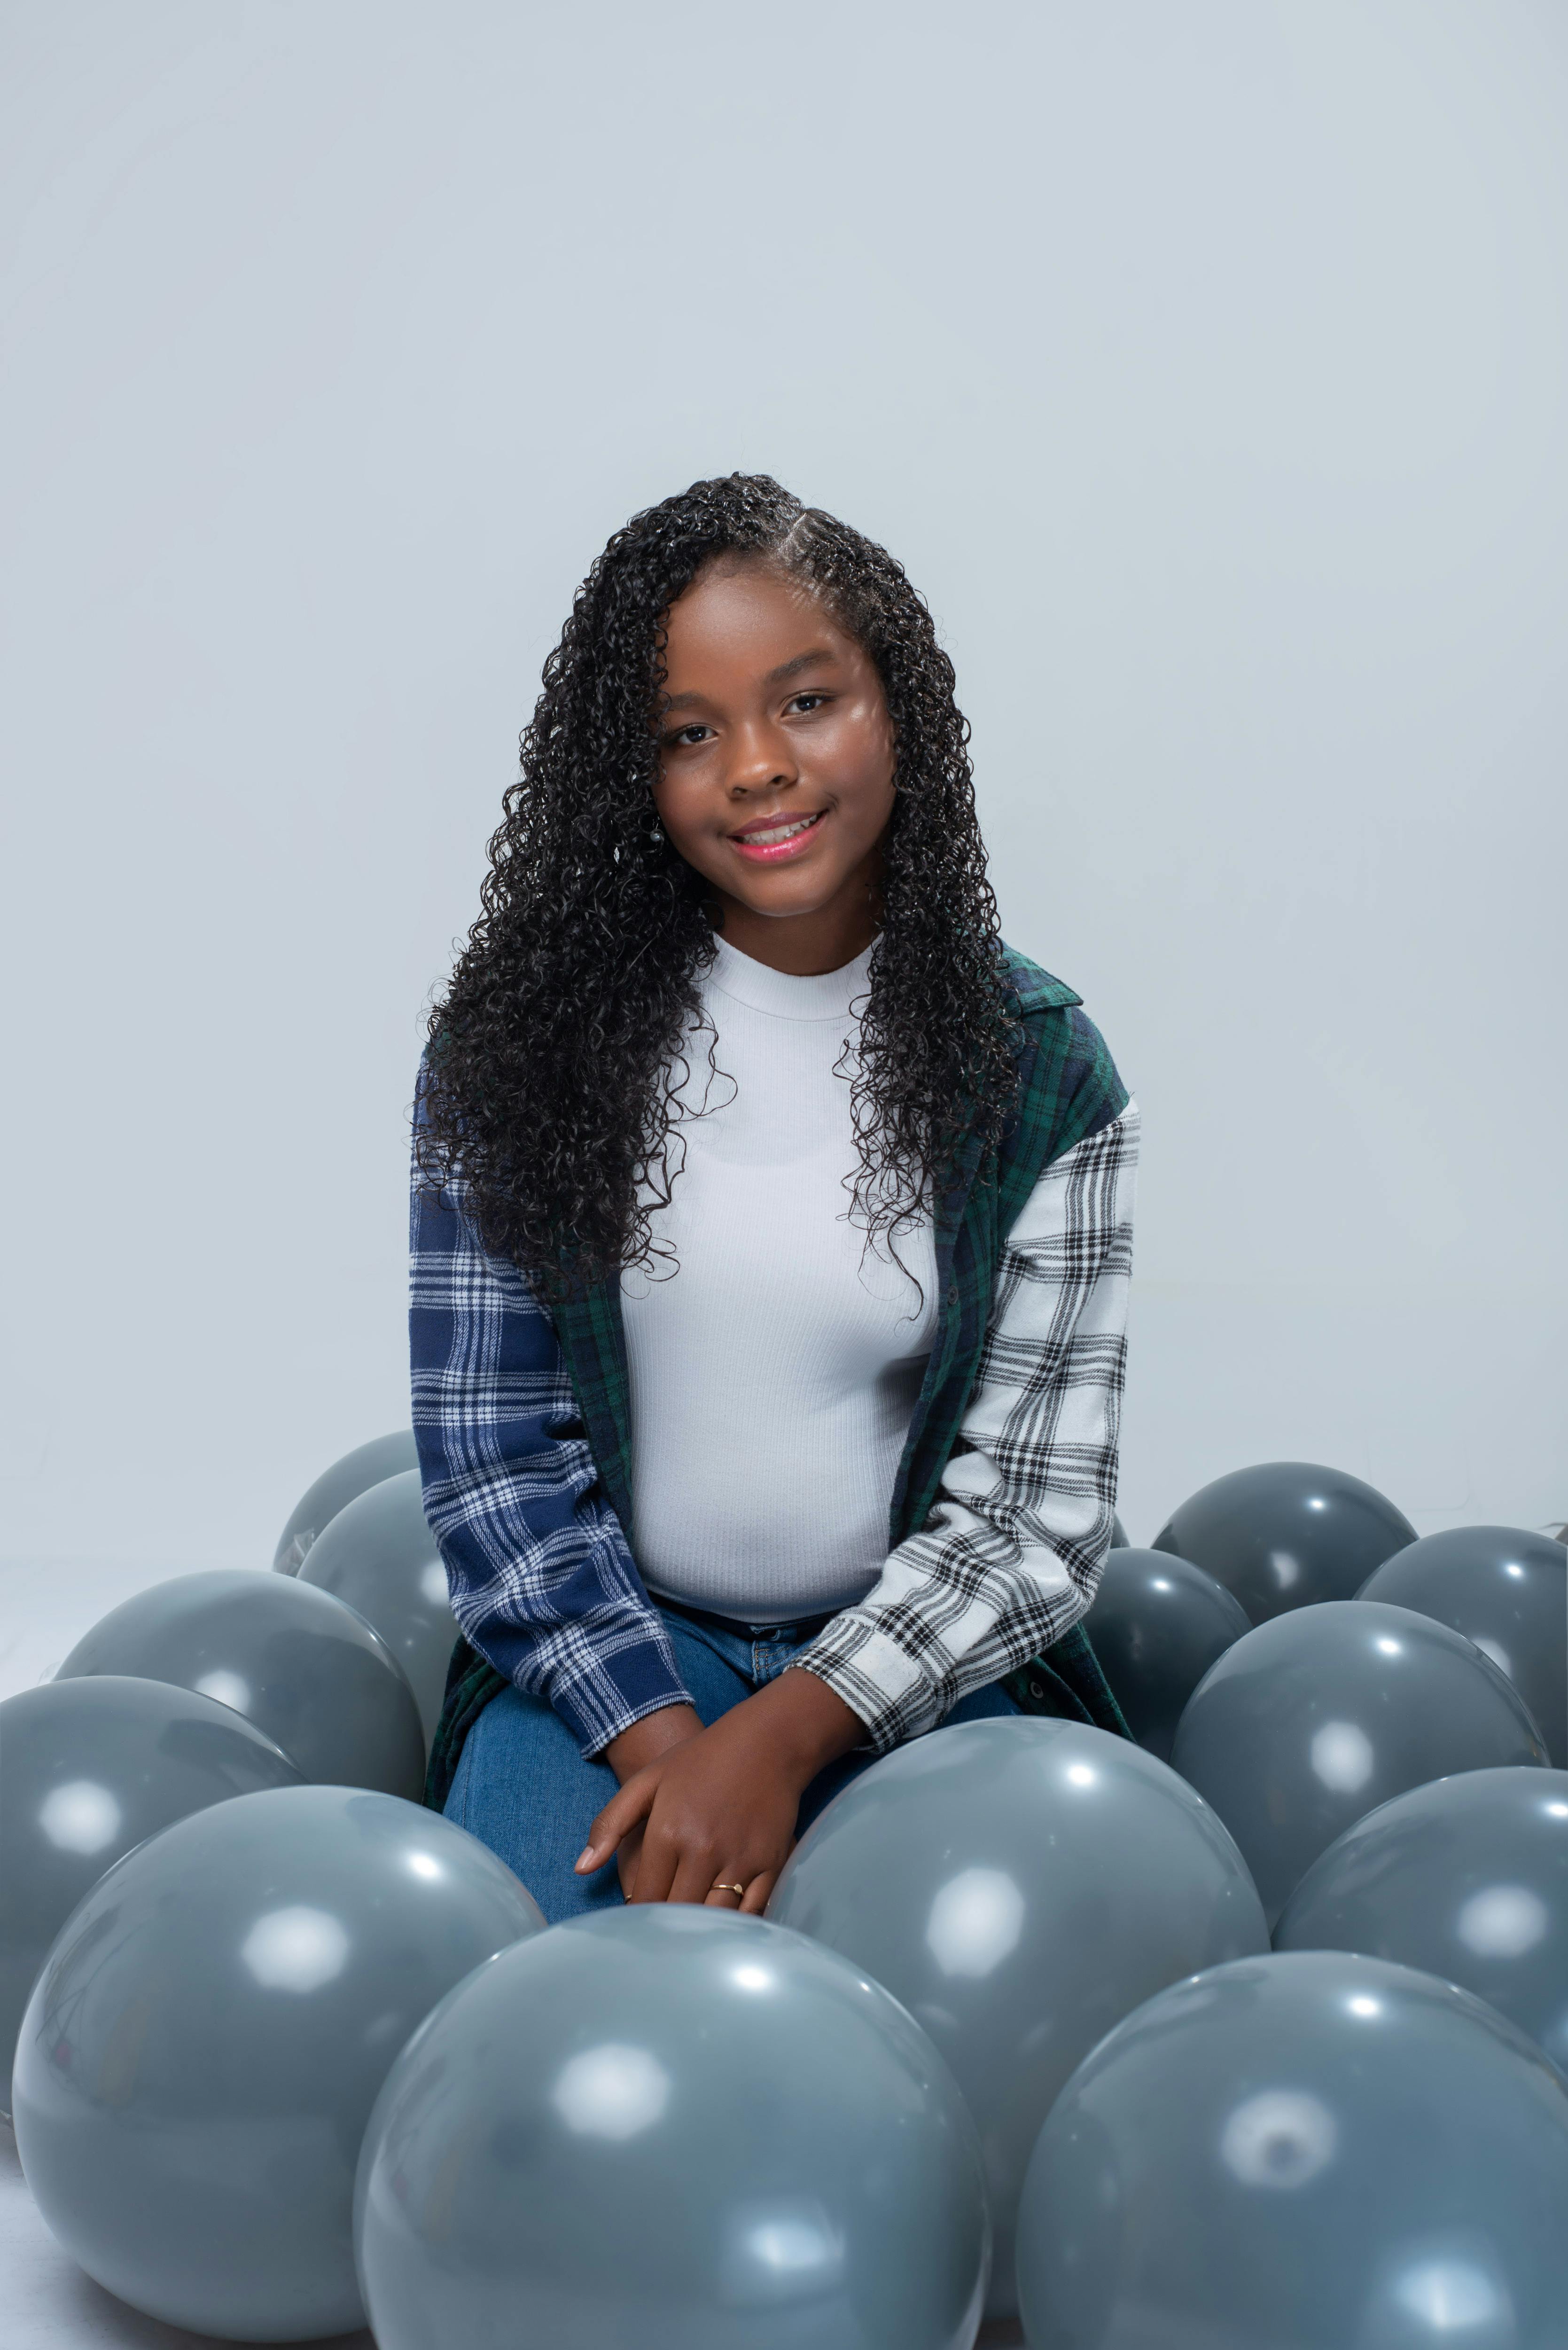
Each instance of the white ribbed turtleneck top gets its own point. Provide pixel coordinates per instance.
(775, 1371)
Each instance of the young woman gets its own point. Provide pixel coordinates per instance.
(771, 1233)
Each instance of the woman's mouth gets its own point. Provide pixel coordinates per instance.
(770, 844)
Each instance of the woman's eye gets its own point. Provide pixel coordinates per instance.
(798, 699)
(686, 734)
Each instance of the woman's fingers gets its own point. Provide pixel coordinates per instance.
(751, 1898)
(673, 1868)
(628, 1853)
(624, 1810)
(697, 1875)
(655, 1866)
(717, 1809)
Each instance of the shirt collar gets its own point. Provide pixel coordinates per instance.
(825, 995)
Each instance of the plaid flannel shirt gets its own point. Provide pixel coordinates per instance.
(1010, 1556)
(1002, 1512)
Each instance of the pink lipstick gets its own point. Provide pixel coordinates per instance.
(771, 840)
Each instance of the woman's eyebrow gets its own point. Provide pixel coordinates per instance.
(773, 677)
(801, 661)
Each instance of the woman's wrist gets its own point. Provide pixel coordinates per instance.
(647, 1739)
(807, 1725)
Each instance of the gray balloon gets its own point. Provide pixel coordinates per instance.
(1310, 1722)
(308, 1671)
(1021, 1886)
(1158, 1624)
(1467, 1878)
(1317, 2151)
(1505, 1590)
(674, 2127)
(367, 1465)
(203, 2049)
(379, 1556)
(1286, 1534)
(1118, 1533)
(87, 1769)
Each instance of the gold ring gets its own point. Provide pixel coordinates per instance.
(731, 1888)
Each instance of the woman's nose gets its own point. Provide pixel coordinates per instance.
(760, 757)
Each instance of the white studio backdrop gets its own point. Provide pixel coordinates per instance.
(1205, 361)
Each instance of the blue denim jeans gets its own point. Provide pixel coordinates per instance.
(522, 1787)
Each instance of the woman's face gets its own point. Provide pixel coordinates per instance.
(775, 765)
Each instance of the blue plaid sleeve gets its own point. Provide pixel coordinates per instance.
(542, 1579)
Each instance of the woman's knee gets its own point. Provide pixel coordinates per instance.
(523, 1788)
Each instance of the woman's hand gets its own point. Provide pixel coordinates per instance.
(717, 1807)
(646, 1741)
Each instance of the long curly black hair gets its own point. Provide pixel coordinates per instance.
(546, 1086)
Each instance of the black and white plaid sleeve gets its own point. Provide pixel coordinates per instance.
(1014, 1545)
